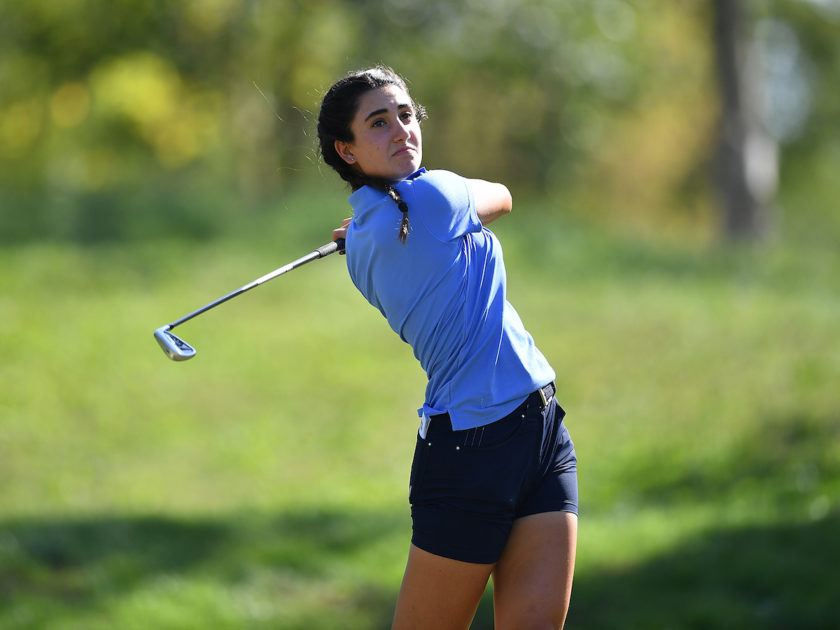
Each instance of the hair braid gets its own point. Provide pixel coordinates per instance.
(403, 206)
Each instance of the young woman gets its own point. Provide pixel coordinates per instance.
(493, 486)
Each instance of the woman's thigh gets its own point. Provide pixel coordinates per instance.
(532, 581)
(439, 592)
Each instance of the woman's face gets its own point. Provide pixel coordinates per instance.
(386, 135)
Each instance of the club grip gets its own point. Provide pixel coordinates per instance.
(330, 248)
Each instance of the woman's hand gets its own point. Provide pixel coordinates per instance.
(342, 231)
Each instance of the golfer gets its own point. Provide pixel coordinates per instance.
(493, 486)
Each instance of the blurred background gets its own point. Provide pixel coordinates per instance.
(673, 250)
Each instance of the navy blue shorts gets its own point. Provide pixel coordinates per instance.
(467, 487)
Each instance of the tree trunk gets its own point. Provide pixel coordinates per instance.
(746, 163)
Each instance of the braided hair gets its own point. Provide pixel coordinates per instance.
(338, 108)
(403, 207)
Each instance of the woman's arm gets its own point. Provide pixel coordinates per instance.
(492, 200)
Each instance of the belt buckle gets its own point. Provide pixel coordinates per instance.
(545, 399)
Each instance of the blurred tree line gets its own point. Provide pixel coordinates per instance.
(129, 118)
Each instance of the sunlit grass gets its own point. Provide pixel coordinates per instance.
(263, 483)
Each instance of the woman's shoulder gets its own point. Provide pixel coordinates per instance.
(438, 182)
(447, 203)
(437, 175)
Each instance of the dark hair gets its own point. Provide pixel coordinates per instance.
(338, 108)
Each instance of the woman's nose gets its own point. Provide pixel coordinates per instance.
(401, 132)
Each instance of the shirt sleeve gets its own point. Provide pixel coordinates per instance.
(446, 205)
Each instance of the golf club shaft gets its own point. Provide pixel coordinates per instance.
(324, 250)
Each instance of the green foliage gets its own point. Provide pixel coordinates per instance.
(611, 103)
(263, 483)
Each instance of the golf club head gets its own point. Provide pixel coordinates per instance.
(175, 348)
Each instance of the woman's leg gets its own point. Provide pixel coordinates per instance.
(438, 593)
(532, 582)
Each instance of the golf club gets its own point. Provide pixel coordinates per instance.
(179, 350)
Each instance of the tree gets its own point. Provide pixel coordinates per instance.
(746, 162)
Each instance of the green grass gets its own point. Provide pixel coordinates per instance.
(263, 483)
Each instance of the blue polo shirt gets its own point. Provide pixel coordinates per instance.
(443, 292)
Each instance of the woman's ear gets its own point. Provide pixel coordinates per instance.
(344, 152)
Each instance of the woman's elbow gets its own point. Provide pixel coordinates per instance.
(507, 200)
(504, 202)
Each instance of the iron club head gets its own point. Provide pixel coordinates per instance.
(175, 348)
